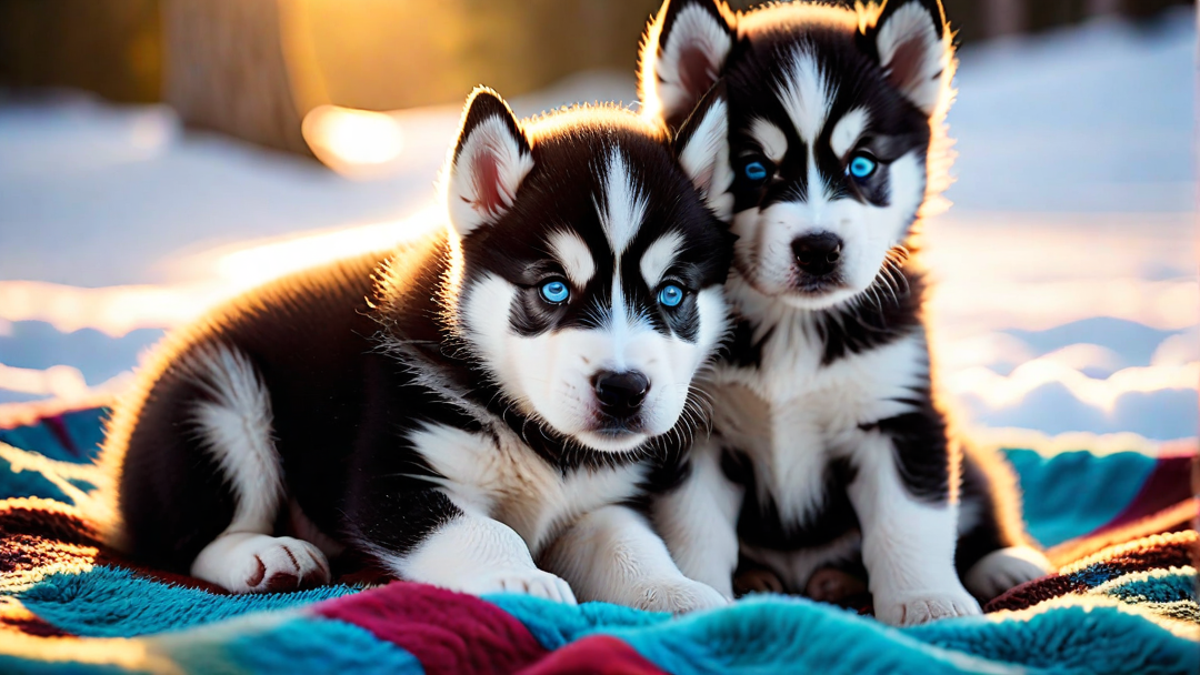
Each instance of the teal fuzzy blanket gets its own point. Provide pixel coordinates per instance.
(1122, 601)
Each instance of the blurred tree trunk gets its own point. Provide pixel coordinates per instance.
(967, 19)
(1044, 16)
(111, 47)
(1103, 7)
(1142, 9)
(227, 68)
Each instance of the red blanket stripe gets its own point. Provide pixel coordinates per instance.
(448, 632)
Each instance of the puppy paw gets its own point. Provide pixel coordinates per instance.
(1006, 568)
(533, 582)
(679, 596)
(757, 580)
(915, 608)
(834, 586)
(258, 563)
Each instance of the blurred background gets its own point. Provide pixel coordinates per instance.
(159, 155)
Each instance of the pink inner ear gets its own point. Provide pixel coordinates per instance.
(490, 196)
(908, 64)
(695, 72)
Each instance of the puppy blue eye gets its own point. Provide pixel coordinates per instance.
(555, 291)
(862, 166)
(755, 171)
(670, 295)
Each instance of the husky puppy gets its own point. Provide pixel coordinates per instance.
(830, 446)
(476, 410)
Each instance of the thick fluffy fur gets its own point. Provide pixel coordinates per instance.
(479, 409)
(830, 447)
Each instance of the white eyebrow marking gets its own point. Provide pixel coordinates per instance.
(621, 216)
(848, 130)
(770, 138)
(658, 257)
(624, 207)
(574, 255)
(806, 94)
(818, 191)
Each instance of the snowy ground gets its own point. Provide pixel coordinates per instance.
(1067, 299)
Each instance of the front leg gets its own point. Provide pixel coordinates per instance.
(909, 529)
(427, 537)
(612, 555)
(698, 520)
(421, 524)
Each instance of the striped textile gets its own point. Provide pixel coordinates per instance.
(1122, 601)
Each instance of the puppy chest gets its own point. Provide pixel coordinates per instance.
(793, 471)
(791, 392)
(752, 412)
(540, 510)
(500, 476)
(795, 429)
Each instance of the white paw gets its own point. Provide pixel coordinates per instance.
(914, 608)
(258, 563)
(678, 596)
(1001, 570)
(533, 582)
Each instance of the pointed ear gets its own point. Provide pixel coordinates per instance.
(702, 146)
(682, 55)
(490, 160)
(913, 44)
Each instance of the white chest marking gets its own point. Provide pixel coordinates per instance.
(792, 415)
(508, 481)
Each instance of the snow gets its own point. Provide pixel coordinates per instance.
(1066, 297)
(1096, 119)
(96, 196)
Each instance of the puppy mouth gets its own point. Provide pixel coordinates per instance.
(614, 428)
(815, 286)
(608, 438)
(799, 284)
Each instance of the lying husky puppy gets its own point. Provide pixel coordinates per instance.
(831, 446)
(489, 396)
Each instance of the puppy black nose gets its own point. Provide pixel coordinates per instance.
(818, 254)
(620, 394)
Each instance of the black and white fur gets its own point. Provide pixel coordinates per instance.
(429, 408)
(830, 447)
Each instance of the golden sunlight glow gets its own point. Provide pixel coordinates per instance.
(117, 310)
(995, 289)
(124, 653)
(71, 559)
(1036, 271)
(999, 391)
(1099, 444)
(1043, 304)
(251, 266)
(353, 142)
(112, 310)
(1091, 601)
(57, 381)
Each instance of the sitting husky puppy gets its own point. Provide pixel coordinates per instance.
(494, 394)
(830, 447)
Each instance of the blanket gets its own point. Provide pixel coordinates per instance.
(1123, 598)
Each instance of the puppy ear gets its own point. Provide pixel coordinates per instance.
(702, 146)
(913, 44)
(490, 160)
(683, 52)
